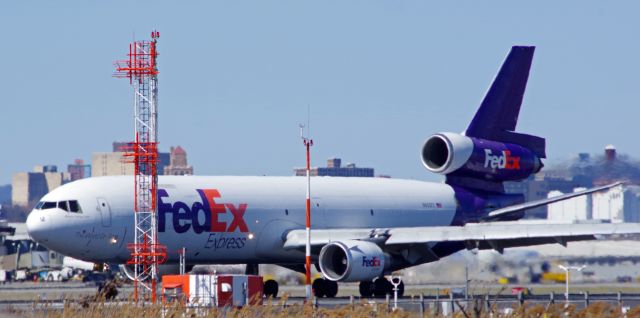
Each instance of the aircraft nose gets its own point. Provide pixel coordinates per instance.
(37, 226)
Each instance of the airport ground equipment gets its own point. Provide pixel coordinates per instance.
(146, 253)
(213, 290)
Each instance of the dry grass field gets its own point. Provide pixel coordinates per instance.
(104, 310)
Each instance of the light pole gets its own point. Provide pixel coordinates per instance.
(566, 270)
(308, 142)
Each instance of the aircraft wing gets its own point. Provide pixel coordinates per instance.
(495, 235)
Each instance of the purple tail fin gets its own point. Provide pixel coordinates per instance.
(497, 116)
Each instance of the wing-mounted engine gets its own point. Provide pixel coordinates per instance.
(352, 260)
(458, 155)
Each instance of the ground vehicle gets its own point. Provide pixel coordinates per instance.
(20, 275)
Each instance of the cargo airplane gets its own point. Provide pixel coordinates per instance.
(362, 228)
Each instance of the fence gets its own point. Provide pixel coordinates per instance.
(445, 305)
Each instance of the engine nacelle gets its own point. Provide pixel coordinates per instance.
(352, 261)
(451, 153)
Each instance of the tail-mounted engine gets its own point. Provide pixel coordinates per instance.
(455, 154)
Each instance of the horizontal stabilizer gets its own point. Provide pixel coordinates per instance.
(534, 204)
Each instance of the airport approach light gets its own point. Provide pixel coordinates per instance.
(567, 269)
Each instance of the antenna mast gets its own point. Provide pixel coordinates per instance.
(146, 253)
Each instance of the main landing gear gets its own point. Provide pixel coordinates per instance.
(324, 288)
(380, 287)
(321, 287)
(270, 288)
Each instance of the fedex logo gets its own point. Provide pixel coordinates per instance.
(503, 161)
(201, 216)
(370, 262)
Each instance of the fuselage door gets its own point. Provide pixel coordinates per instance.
(105, 212)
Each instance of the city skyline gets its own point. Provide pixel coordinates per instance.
(379, 77)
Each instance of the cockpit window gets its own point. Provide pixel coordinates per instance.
(63, 205)
(69, 206)
(74, 206)
(47, 205)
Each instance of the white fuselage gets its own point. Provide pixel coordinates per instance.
(240, 219)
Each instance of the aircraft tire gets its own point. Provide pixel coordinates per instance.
(382, 287)
(366, 289)
(401, 289)
(271, 288)
(331, 288)
(319, 287)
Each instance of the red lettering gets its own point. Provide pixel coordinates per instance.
(238, 218)
(513, 162)
(516, 163)
(215, 210)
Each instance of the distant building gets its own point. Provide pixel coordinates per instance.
(334, 169)
(79, 170)
(5, 193)
(29, 187)
(124, 146)
(164, 160)
(178, 163)
(18, 251)
(537, 187)
(618, 204)
(45, 168)
(574, 209)
(121, 146)
(110, 164)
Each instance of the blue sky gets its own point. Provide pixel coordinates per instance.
(380, 76)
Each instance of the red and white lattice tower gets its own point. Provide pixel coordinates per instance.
(146, 253)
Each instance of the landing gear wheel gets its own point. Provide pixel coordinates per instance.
(366, 289)
(271, 288)
(331, 288)
(319, 287)
(382, 287)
